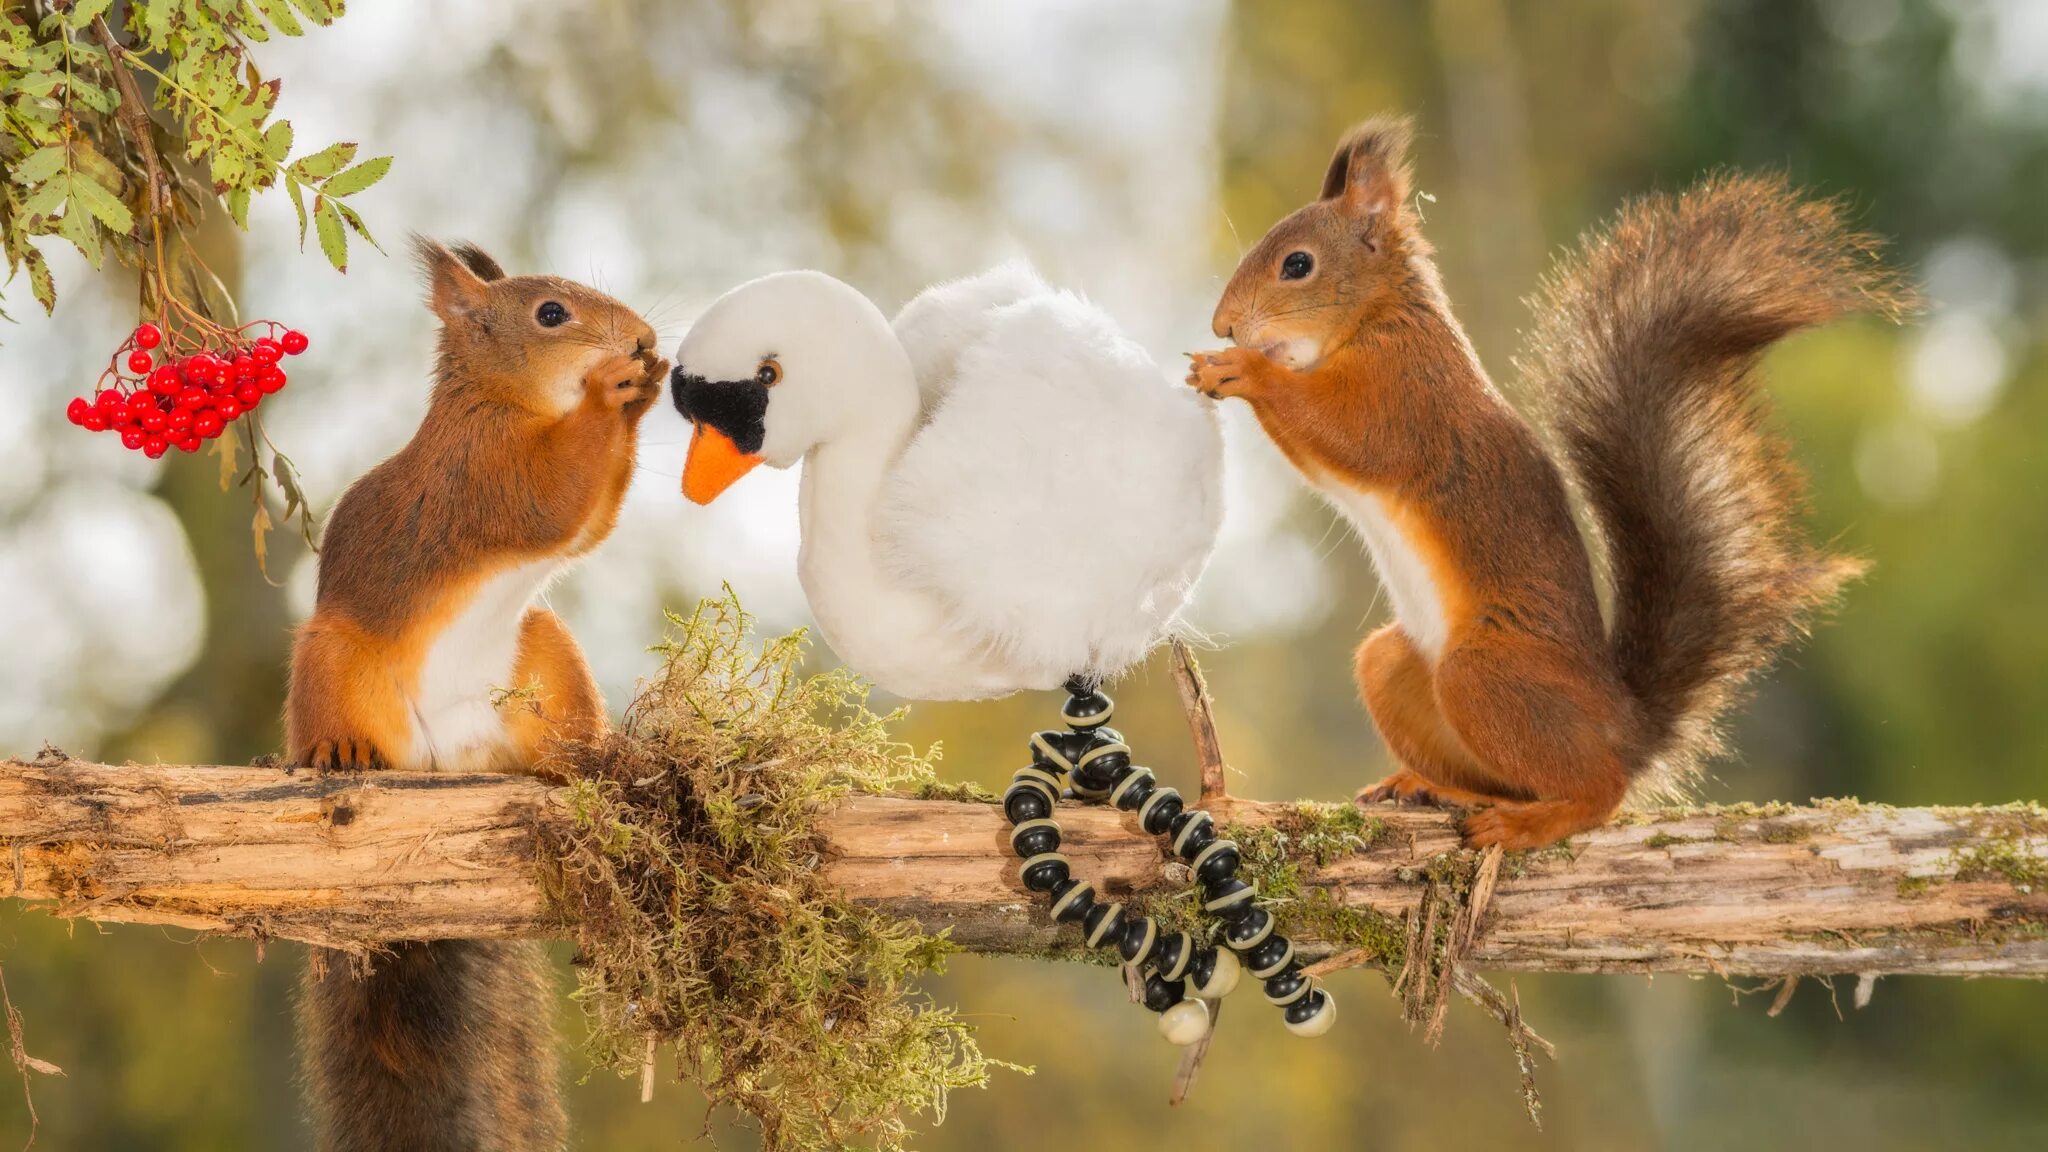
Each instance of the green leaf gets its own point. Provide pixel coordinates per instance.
(92, 96)
(319, 11)
(156, 23)
(280, 15)
(85, 11)
(298, 192)
(84, 235)
(238, 208)
(358, 178)
(41, 164)
(41, 82)
(277, 141)
(324, 163)
(333, 238)
(103, 204)
(45, 200)
(40, 280)
(356, 224)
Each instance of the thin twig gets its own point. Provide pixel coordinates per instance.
(1191, 1060)
(134, 116)
(1194, 700)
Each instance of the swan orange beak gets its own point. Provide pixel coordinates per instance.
(714, 463)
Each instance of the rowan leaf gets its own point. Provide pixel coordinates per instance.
(324, 163)
(298, 192)
(277, 141)
(358, 178)
(259, 530)
(84, 12)
(225, 449)
(333, 237)
(102, 203)
(41, 164)
(280, 15)
(41, 282)
(355, 223)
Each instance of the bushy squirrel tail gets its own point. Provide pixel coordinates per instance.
(444, 1046)
(1644, 350)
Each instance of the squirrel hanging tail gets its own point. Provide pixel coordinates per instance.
(1644, 349)
(444, 1046)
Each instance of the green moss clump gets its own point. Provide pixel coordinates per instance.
(1665, 840)
(1912, 886)
(1274, 856)
(964, 790)
(688, 872)
(2006, 858)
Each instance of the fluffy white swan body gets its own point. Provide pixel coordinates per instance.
(1000, 491)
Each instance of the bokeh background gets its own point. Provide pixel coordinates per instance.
(670, 149)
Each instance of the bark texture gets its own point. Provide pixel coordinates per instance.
(355, 861)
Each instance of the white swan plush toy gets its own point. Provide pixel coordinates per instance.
(1000, 492)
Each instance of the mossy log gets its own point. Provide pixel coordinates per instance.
(355, 861)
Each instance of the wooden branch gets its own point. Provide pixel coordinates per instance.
(354, 861)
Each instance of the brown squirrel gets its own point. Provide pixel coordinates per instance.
(1498, 687)
(425, 652)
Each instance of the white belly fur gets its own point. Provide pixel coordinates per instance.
(456, 727)
(1417, 603)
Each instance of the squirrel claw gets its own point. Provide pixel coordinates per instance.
(1404, 788)
(628, 380)
(1220, 375)
(347, 754)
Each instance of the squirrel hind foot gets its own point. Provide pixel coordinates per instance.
(1518, 825)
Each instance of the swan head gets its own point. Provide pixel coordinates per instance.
(777, 367)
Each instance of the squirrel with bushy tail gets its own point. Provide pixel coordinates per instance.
(1498, 687)
(427, 651)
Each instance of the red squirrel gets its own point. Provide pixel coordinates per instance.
(1498, 688)
(426, 651)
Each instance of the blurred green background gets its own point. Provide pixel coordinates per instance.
(668, 150)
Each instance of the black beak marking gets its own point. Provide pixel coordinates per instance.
(738, 408)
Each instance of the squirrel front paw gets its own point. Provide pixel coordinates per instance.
(1226, 373)
(343, 754)
(630, 382)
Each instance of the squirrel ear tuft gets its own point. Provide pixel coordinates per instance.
(479, 262)
(454, 289)
(1369, 173)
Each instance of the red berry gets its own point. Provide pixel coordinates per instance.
(228, 407)
(268, 351)
(208, 425)
(94, 420)
(271, 379)
(245, 368)
(140, 402)
(155, 421)
(132, 437)
(76, 410)
(121, 418)
(155, 446)
(187, 443)
(294, 342)
(148, 336)
(166, 380)
(192, 399)
(178, 421)
(249, 395)
(140, 362)
(108, 400)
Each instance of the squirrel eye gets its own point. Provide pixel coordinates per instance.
(1297, 265)
(769, 374)
(552, 315)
